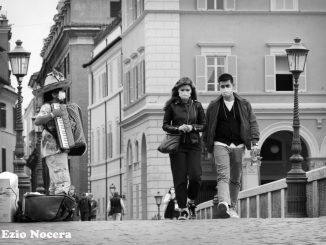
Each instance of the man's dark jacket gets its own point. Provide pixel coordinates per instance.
(249, 131)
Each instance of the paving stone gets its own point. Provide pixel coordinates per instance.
(218, 231)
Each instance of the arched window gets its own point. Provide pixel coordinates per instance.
(3, 112)
(136, 152)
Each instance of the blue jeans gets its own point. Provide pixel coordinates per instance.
(228, 163)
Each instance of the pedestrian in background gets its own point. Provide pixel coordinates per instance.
(84, 207)
(94, 207)
(172, 210)
(73, 194)
(116, 207)
(231, 127)
(184, 115)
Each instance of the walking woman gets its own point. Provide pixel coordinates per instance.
(185, 115)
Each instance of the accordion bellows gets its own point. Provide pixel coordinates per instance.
(70, 129)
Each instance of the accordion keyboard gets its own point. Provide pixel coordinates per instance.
(62, 124)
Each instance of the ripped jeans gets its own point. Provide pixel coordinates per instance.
(59, 173)
(228, 161)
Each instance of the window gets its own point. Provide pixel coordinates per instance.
(136, 152)
(103, 143)
(117, 128)
(215, 4)
(134, 83)
(209, 66)
(92, 147)
(277, 75)
(104, 80)
(132, 9)
(284, 5)
(98, 145)
(3, 159)
(215, 67)
(284, 81)
(115, 9)
(14, 116)
(3, 115)
(109, 140)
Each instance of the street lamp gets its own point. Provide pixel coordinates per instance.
(112, 189)
(158, 200)
(19, 59)
(296, 178)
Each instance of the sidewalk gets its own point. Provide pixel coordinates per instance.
(171, 232)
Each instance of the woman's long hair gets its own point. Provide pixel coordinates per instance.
(175, 94)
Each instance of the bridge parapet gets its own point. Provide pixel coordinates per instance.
(270, 200)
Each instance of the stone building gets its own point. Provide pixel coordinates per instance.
(8, 98)
(202, 39)
(66, 49)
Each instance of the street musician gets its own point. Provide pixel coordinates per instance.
(54, 143)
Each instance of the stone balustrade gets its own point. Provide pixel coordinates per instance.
(270, 200)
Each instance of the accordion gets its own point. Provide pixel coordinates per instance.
(70, 129)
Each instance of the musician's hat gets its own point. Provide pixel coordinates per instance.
(54, 80)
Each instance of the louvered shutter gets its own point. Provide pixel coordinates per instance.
(201, 73)
(303, 81)
(232, 69)
(201, 5)
(125, 89)
(270, 78)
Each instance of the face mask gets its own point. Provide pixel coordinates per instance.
(226, 92)
(61, 95)
(184, 93)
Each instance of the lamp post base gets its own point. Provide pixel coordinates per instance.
(24, 181)
(296, 192)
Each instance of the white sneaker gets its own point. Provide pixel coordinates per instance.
(223, 210)
(233, 213)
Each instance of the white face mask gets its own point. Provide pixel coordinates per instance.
(184, 92)
(226, 89)
(61, 95)
(226, 92)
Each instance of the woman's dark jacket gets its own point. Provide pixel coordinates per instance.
(249, 130)
(192, 113)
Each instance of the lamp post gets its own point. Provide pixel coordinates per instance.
(19, 59)
(112, 189)
(158, 200)
(296, 178)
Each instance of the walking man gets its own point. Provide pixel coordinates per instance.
(231, 127)
(116, 207)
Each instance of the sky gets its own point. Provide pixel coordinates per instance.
(31, 21)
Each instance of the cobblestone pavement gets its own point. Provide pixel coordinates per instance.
(226, 231)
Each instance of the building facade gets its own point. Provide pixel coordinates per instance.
(202, 39)
(105, 111)
(66, 48)
(8, 98)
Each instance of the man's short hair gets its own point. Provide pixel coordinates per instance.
(225, 77)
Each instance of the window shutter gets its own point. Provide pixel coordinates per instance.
(232, 68)
(139, 80)
(201, 5)
(230, 5)
(125, 89)
(144, 77)
(3, 119)
(270, 79)
(132, 86)
(201, 73)
(303, 81)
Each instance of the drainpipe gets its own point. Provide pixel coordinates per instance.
(106, 162)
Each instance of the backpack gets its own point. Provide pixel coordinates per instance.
(37, 207)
